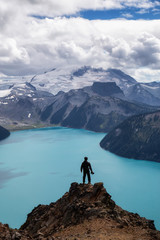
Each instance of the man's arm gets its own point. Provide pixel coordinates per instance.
(91, 168)
(81, 167)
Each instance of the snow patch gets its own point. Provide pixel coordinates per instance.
(11, 97)
(150, 87)
(4, 93)
(4, 103)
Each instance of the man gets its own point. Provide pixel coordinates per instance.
(86, 167)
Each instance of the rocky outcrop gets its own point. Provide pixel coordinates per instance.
(6, 233)
(107, 89)
(4, 133)
(137, 137)
(80, 203)
(85, 212)
(83, 203)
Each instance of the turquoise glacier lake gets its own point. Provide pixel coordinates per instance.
(37, 167)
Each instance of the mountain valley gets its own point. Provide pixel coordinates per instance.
(104, 100)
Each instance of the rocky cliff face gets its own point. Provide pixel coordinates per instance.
(137, 137)
(85, 212)
(4, 133)
(107, 89)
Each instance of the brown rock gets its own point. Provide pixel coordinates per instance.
(85, 212)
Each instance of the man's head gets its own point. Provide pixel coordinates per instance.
(85, 158)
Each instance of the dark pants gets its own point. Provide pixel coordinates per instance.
(88, 175)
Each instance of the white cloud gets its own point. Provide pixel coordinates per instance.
(143, 11)
(146, 51)
(127, 15)
(30, 45)
(11, 53)
(144, 4)
(147, 75)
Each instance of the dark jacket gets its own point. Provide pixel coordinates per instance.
(86, 166)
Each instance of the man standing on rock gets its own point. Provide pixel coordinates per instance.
(86, 167)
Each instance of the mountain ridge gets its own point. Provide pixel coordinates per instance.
(137, 137)
(65, 79)
(98, 108)
(101, 98)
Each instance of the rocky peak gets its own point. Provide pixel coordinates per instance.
(85, 212)
(107, 89)
(81, 71)
(121, 75)
(82, 203)
(86, 69)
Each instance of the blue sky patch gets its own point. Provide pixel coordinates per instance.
(132, 13)
(127, 13)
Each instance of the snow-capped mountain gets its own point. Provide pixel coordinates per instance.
(21, 104)
(60, 96)
(67, 79)
(64, 79)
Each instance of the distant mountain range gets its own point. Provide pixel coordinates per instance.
(137, 137)
(65, 79)
(98, 108)
(90, 98)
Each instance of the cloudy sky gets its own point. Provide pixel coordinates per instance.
(38, 35)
